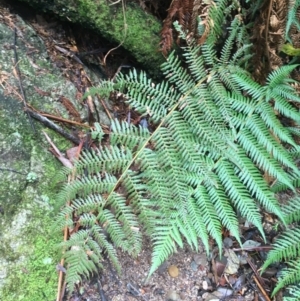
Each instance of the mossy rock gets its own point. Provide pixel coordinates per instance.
(140, 38)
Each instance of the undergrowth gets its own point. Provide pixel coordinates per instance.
(216, 137)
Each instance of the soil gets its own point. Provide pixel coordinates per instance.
(196, 276)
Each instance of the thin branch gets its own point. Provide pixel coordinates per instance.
(20, 81)
(48, 123)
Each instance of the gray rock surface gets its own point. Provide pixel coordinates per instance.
(28, 170)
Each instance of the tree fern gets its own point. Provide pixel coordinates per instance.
(215, 133)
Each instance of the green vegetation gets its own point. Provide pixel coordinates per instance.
(36, 278)
(138, 32)
(216, 133)
(287, 248)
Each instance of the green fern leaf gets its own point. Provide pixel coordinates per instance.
(288, 275)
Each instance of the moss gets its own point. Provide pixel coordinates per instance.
(37, 278)
(142, 38)
(28, 253)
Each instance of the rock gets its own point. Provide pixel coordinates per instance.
(251, 244)
(227, 242)
(212, 296)
(194, 266)
(233, 262)
(226, 292)
(29, 171)
(206, 284)
(172, 296)
(173, 271)
(200, 259)
(142, 26)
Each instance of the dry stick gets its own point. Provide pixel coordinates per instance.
(261, 288)
(48, 123)
(254, 269)
(104, 106)
(20, 82)
(125, 33)
(58, 118)
(65, 120)
(259, 248)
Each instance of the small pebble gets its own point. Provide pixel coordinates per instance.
(162, 268)
(227, 242)
(159, 291)
(200, 259)
(172, 296)
(173, 271)
(212, 296)
(226, 292)
(194, 266)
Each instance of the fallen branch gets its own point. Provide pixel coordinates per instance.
(48, 123)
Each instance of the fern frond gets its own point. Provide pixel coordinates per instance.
(239, 196)
(229, 43)
(294, 291)
(258, 129)
(288, 275)
(285, 108)
(110, 159)
(216, 133)
(83, 257)
(209, 213)
(163, 245)
(262, 158)
(250, 176)
(224, 210)
(266, 112)
(129, 223)
(285, 248)
(246, 83)
(128, 135)
(292, 18)
(280, 76)
(291, 211)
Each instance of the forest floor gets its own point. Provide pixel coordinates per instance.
(186, 275)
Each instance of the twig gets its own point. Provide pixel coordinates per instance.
(12, 170)
(66, 162)
(261, 288)
(254, 269)
(60, 292)
(53, 126)
(104, 106)
(58, 118)
(259, 248)
(101, 292)
(20, 81)
(125, 32)
(65, 120)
